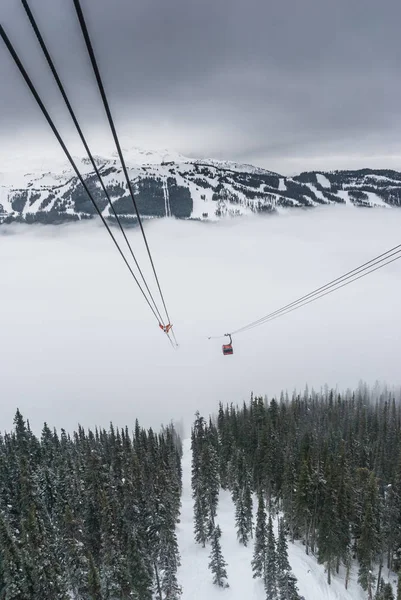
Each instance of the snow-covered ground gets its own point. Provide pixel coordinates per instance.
(196, 578)
(322, 179)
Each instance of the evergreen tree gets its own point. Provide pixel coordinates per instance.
(13, 572)
(286, 580)
(217, 564)
(200, 521)
(304, 500)
(388, 592)
(271, 564)
(139, 571)
(241, 518)
(283, 564)
(169, 559)
(94, 587)
(210, 478)
(259, 553)
(328, 536)
(242, 498)
(203, 517)
(370, 538)
(385, 591)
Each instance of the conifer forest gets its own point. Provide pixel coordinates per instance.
(93, 515)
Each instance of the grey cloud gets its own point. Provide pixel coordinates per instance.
(281, 77)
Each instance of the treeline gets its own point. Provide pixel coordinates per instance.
(329, 463)
(89, 517)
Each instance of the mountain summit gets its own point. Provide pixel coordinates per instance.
(169, 184)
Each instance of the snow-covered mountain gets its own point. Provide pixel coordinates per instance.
(169, 184)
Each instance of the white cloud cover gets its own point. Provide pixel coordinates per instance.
(79, 345)
(286, 85)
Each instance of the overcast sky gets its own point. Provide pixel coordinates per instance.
(79, 344)
(289, 84)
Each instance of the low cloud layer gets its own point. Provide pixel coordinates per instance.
(287, 85)
(79, 344)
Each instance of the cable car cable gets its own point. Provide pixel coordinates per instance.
(115, 137)
(366, 268)
(35, 94)
(378, 259)
(83, 139)
(272, 318)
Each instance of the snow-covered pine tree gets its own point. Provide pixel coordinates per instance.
(225, 444)
(241, 517)
(271, 563)
(209, 475)
(169, 558)
(199, 489)
(259, 552)
(328, 527)
(217, 564)
(200, 522)
(286, 580)
(169, 584)
(139, 571)
(289, 491)
(283, 564)
(242, 498)
(384, 592)
(388, 592)
(13, 575)
(94, 587)
(369, 540)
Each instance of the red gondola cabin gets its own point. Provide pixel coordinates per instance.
(228, 348)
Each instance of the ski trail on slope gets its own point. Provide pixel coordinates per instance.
(196, 578)
(167, 206)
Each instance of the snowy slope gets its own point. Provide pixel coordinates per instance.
(196, 578)
(168, 184)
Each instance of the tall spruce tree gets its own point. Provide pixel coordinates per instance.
(385, 591)
(94, 586)
(369, 540)
(286, 580)
(328, 527)
(271, 563)
(200, 493)
(14, 584)
(217, 564)
(259, 552)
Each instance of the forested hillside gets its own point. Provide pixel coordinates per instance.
(328, 464)
(91, 516)
(183, 188)
(107, 515)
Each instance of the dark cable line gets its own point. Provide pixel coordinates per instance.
(330, 284)
(67, 153)
(330, 287)
(116, 140)
(83, 140)
(276, 316)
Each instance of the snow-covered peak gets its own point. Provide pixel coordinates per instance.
(141, 156)
(233, 166)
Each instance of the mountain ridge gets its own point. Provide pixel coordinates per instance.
(169, 184)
